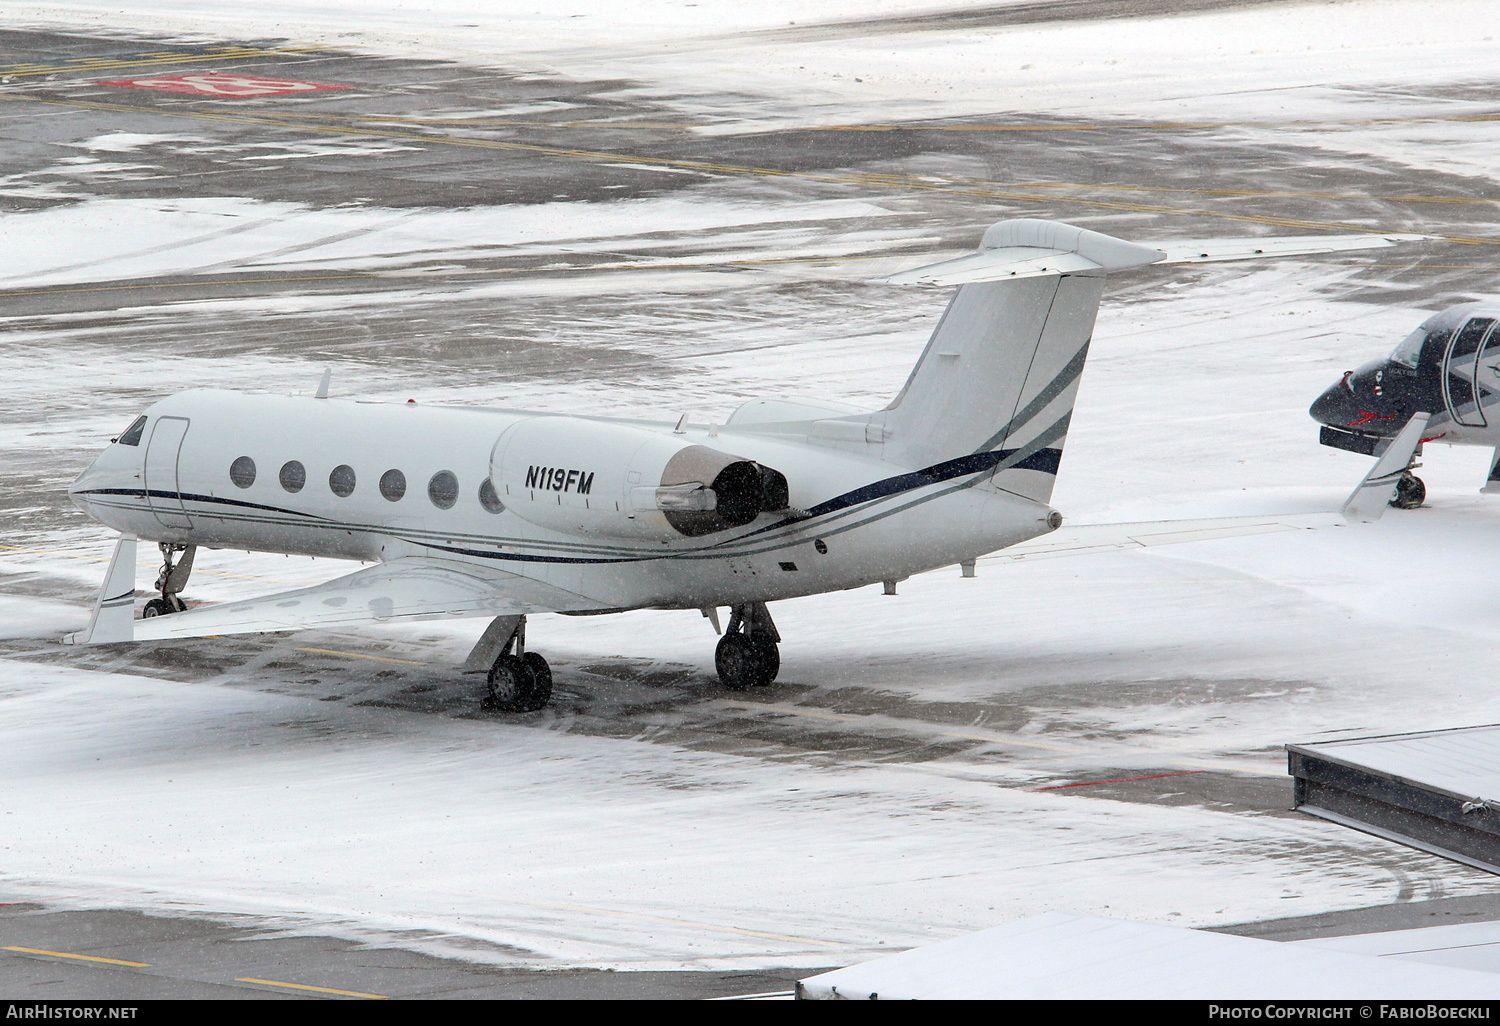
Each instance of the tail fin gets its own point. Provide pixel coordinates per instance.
(1001, 372)
(997, 381)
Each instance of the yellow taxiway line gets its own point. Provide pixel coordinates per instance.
(319, 990)
(191, 284)
(81, 958)
(144, 61)
(357, 655)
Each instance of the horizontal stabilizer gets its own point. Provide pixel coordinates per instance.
(402, 590)
(1205, 251)
(1082, 539)
(1027, 248)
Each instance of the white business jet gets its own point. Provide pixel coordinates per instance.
(501, 513)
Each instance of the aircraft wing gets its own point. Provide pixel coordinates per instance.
(402, 590)
(1081, 539)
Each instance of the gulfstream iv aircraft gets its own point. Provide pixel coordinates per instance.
(501, 513)
(1449, 367)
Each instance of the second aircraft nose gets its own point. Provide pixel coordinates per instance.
(1335, 406)
(1360, 401)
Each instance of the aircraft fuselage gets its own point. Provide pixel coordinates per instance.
(547, 498)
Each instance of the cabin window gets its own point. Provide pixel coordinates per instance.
(342, 480)
(132, 435)
(488, 499)
(393, 485)
(443, 489)
(242, 472)
(293, 476)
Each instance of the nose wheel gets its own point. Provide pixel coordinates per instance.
(163, 606)
(176, 566)
(1410, 492)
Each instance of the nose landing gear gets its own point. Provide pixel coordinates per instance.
(747, 655)
(1410, 492)
(177, 565)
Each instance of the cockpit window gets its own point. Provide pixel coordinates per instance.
(132, 435)
(1410, 349)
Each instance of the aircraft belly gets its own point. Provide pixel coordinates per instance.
(868, 546)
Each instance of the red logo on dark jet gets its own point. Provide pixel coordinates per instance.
(1365, 416)
(225, 85)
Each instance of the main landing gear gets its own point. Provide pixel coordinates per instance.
(176, 566)
(747, 655)
(519, 681)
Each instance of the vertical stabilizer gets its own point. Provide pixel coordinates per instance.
(114, 609)
(999, 376)
(996, 384)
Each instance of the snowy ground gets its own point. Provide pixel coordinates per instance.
(884, 793)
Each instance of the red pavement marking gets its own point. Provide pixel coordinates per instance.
(1120, 780)
(224, 85)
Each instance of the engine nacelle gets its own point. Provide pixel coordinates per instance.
(592, 477)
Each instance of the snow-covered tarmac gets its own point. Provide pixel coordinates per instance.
(889, 789)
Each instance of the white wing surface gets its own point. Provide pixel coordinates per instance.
(1081, 539)
(402, 590)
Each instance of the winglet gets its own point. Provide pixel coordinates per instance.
(114, 610)
(1368, 501)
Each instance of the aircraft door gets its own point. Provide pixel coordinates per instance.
(162, 491)
(1460, 389)
(1487, 370)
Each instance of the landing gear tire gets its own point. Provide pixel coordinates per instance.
(519, 684)
(159, 607)
(770, 658)
(541, 680)
(1410, 492)
(745, 662)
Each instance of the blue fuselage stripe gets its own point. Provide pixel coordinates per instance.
(1044, 460)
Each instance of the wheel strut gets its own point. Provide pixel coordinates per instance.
(747, 655)
(176, 566)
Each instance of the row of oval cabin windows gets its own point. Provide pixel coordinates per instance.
(442, 490)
